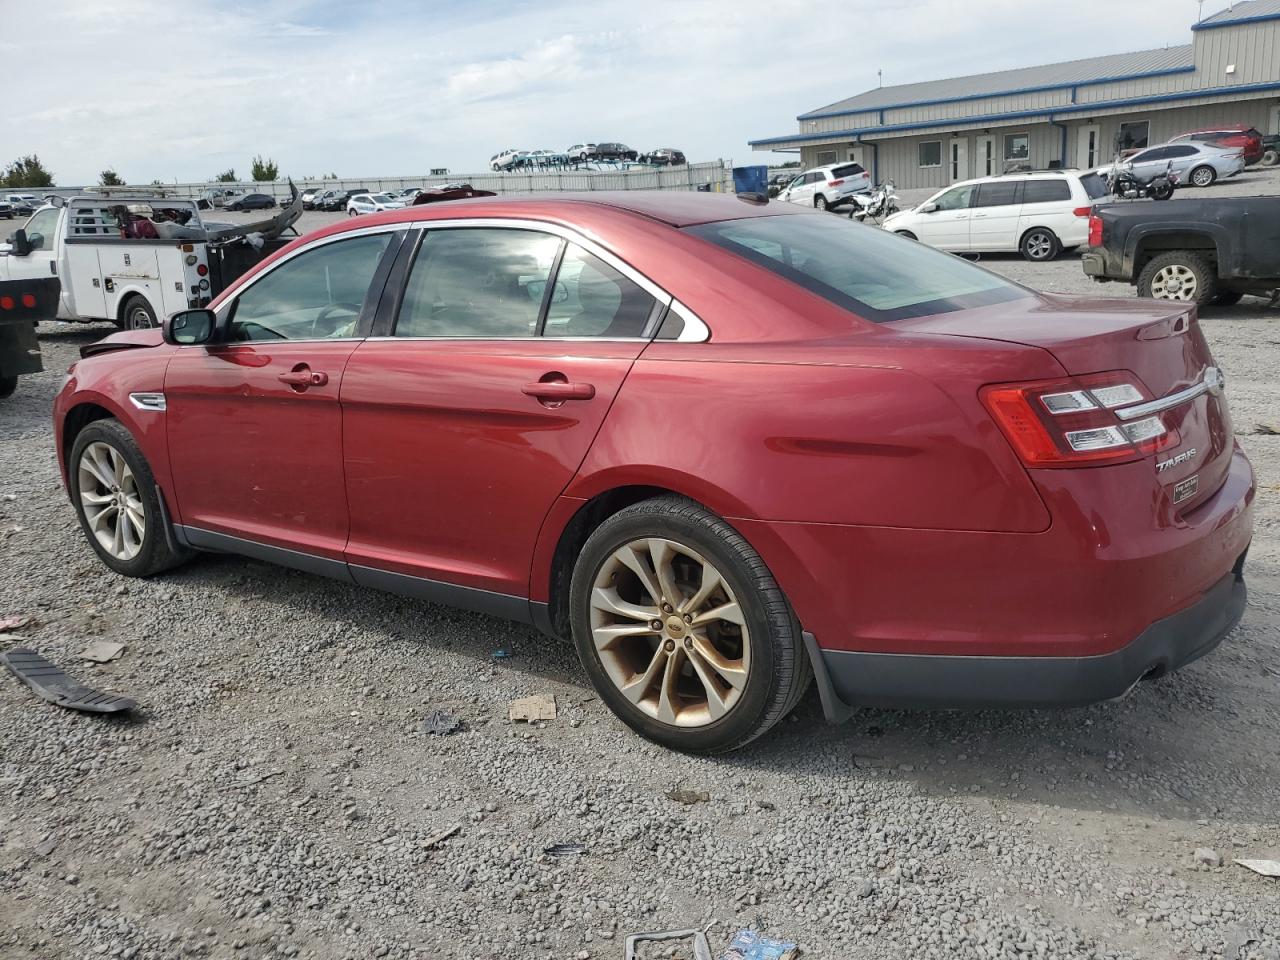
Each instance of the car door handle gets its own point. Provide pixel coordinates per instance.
(559, 390)
(302, 376)
(978, 216)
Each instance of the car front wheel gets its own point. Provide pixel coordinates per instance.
(683, 630)
(117, 501)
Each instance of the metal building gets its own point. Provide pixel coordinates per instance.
(1059, 115)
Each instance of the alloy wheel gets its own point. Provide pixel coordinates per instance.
(1202, 177)
(111, 501)
(1174, 282)
(1039, 246)
(670, 632)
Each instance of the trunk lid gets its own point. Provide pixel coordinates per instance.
(1160, 342)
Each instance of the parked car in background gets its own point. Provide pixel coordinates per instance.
(252, 201)
(520, 376)
(373, 203)
(581, 152)
(614, 151)
(339, 199)
(827, 187)
(320, 199)
(1200, 164)
(310, 195)
(504, 160)
(23, 303)
(24, 203)
(1246, 139)
(545, 158)
(1037, 214)
(665, 157)
(408, 193)
(1198, 251)
(6, 210)
(216, 197)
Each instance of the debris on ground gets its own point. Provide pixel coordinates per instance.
(686, 796)
(50, 682)
(261, 776)
(441, 723)
(502, 653)
(102, 651)
(701, 949)
(540, 706)
(565, 849)
(1267, 429)
(438, 838)
(16, 622)
(1207, 857)
(749, 945)
(1267, 868)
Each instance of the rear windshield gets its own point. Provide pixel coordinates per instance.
(847, 170)
(1094, 186)
(863, 269)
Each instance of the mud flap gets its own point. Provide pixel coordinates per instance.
(51, 683)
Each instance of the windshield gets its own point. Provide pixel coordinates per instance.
(865, 270)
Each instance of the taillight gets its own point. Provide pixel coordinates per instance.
(1073, 422)
(202, 269)
(28, 301)
(1095, 231)
(834, 183)
(1082, 211)
(6, 303)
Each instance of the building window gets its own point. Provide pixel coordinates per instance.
(826, 157)
(1133, 136)
(1017, 146)
(931, 153)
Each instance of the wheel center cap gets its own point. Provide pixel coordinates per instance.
(675, 626)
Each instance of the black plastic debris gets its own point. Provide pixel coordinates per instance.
(441, 723)
(51, 683)
(565, 849)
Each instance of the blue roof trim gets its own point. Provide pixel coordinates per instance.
(1120, 78)
(1214, 24)
(1022, 114)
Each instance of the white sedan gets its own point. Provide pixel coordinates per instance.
(374, 202)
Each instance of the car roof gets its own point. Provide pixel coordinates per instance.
(1026, 175)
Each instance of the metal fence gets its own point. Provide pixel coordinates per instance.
(716, 176)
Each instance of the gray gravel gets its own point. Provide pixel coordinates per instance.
(278, 797)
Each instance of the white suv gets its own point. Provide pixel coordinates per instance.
(374, 203)
(1037, 214)
(828, 186)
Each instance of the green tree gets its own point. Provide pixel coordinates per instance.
(26, 172)
(264, 170)
(226, 176)
(109, 178)
(332, 176)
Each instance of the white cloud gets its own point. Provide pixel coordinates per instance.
(159, 91)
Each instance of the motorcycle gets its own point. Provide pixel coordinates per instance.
(878, 204)
(1122, 182)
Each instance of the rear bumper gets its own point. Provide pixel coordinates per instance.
(848, 678)
(1094, 265)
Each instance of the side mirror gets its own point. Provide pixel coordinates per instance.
(928, 207)
(189, 328)
(19, 245)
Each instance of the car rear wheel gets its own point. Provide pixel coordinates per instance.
(1204, 176)
(1179, 275)
(1040, 244)
(682, 629)
(820, 202)
(118, 503)
(1227, 298)
(138, 314)
(1270, 158)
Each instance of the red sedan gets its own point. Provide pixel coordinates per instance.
(725, 445)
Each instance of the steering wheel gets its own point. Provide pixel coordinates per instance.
(332, 308)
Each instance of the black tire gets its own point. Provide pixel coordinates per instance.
(1161, 191)
(820, 202)
(138, 314)
(1270, 157)
(1227, 298)
(1199, 267)
(1203, 176)
(156, 554)
(7, 386)
(1040, 245)
(908, 234)
(779, 672)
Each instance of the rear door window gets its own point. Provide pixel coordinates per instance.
(592, 299)
(1045, 191)
(998, 193)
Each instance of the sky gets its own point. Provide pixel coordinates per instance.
(178, 90)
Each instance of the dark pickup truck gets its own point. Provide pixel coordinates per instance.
(23, 303)
(1207, 251)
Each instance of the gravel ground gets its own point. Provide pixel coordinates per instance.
(275, 795)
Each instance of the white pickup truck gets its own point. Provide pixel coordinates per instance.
(135, 259)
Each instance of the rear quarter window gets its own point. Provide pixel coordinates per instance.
(1094, 186)
(1045, 191)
